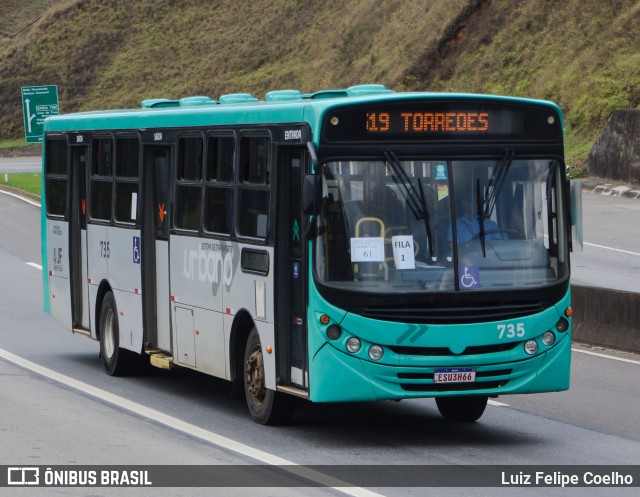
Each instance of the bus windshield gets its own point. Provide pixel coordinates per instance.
(396, 225)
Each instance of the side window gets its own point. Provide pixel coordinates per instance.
(189, 183)
(56, 177)
(253, 201)
(126, 179)
(219, 190)
(101, 179)
(255, 160)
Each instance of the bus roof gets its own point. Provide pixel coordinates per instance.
(280, 106)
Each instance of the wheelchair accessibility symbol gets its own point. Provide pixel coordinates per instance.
(136, 250)
(469, 277)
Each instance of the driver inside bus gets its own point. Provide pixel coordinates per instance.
(468, 225)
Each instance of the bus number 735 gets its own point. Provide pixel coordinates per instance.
(511, 330)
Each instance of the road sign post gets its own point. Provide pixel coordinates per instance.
(38, 102)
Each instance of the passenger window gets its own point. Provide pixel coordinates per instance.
(190, 159)
(220, 151)
(255, 160)
(101, 179)
(189, 184)
(187, 207)
(253, 201)
(219, 188)
(56, 177)
(127, 171)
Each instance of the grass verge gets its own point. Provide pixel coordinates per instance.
(26, 182)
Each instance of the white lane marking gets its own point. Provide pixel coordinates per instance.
(611, 248)
(189, 429)
(33, 264)
(621, 359)
(27, 200)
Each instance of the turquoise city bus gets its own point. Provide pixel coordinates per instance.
(337, 246)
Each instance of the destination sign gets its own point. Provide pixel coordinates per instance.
(443, 121)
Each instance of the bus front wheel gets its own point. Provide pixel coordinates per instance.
(266, 406)
(466, 409)
(116, 361)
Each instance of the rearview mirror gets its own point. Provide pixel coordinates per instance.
(577, 236)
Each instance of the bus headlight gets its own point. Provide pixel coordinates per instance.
(353, 345)
(531, 347)
(376, 352)
(549, 338)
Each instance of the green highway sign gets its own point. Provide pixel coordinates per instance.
(38, 102)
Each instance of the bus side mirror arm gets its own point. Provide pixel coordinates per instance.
(311, 191)
(313, 153)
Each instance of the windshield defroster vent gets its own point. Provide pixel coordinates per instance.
(451, 314)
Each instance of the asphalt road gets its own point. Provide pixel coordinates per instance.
(20, 164)
(611, 255)
(86, 417)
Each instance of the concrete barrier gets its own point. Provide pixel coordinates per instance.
(606, 318)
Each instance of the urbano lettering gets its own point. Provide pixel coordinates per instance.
(209, 265)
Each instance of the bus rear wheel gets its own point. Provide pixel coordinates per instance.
(466, 409)
(266, 406)
(116, 361)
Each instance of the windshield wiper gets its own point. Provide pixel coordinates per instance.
(415, 200)
(494, 186)
(480, 213)
(551, 179)
(493, 189)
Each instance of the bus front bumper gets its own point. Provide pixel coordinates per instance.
(339, 377)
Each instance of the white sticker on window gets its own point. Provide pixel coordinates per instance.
(370, 249)
(261, 229)
(403, 252)
(134, 206)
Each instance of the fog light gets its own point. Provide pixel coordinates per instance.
(562, 325)
(531, 347)
(375, 352)
(334, 332)
(353, 345)
(549, 338)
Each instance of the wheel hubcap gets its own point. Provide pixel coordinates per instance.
(255, 376)
(109, 335)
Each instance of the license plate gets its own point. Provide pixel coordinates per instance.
(454, 376)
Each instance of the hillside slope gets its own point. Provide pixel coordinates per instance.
(583, 54)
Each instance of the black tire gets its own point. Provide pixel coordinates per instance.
(466, 409)
(266, 406)
(116, 361)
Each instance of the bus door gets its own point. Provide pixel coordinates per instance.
(155, 247)
(291, 318)
(78, 239)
